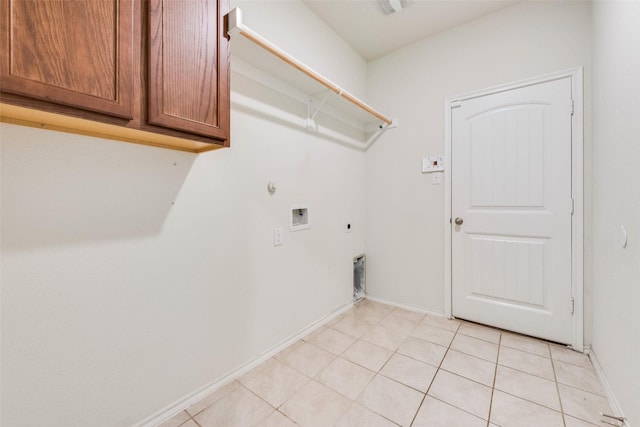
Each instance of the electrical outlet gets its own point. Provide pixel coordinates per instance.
(277, 236)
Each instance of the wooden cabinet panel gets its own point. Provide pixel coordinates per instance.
(72, 52)
(147, 71)
(188, 66)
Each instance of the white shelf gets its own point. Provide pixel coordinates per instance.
(255, 56)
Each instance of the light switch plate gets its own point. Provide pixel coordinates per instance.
(277, 236)
(432, 164)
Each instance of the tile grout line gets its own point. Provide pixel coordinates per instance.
(385, 364)
(495, 375)
(561, 411)
(529, 374)
(457, 332)
(413, 419)
(495, 363)
(194, 420)
(259, 397)
(525, 372)
(382, 367)
(555, 379)
(193, 416)
(426, 393)
(395, 352)
(375, 373)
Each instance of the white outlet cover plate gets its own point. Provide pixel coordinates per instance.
(432, 164)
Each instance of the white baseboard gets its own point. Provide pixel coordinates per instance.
(405, 306)
(615, 406)
(173, 409)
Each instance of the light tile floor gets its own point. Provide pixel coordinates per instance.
(377, 365)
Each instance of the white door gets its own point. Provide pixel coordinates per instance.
(512, 210)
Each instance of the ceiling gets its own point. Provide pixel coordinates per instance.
(372, 34)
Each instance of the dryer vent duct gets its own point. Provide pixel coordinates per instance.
(359, 275)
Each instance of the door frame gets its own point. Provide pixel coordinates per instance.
(577, 191)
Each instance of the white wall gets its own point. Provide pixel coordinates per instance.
(404, 210)
(295, 28)
(616, 198)
(134, 276)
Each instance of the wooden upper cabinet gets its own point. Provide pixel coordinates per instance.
(77, 53)
(187, 62)
(154, 72)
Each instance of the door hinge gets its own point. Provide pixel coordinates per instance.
(572, 205)
(455, 104)
(573, 107)
(573, 305)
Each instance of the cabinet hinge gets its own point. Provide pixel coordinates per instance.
(572, 205)
(573, 305)
(573, 107)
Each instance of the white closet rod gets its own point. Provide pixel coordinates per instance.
(236, 27)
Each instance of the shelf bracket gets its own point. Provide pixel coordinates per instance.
(237, 27)
(312, 111)
(378, 133)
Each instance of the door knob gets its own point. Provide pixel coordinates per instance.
(459, 221)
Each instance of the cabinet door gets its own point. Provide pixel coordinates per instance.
(72, 52)
(188, 66)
